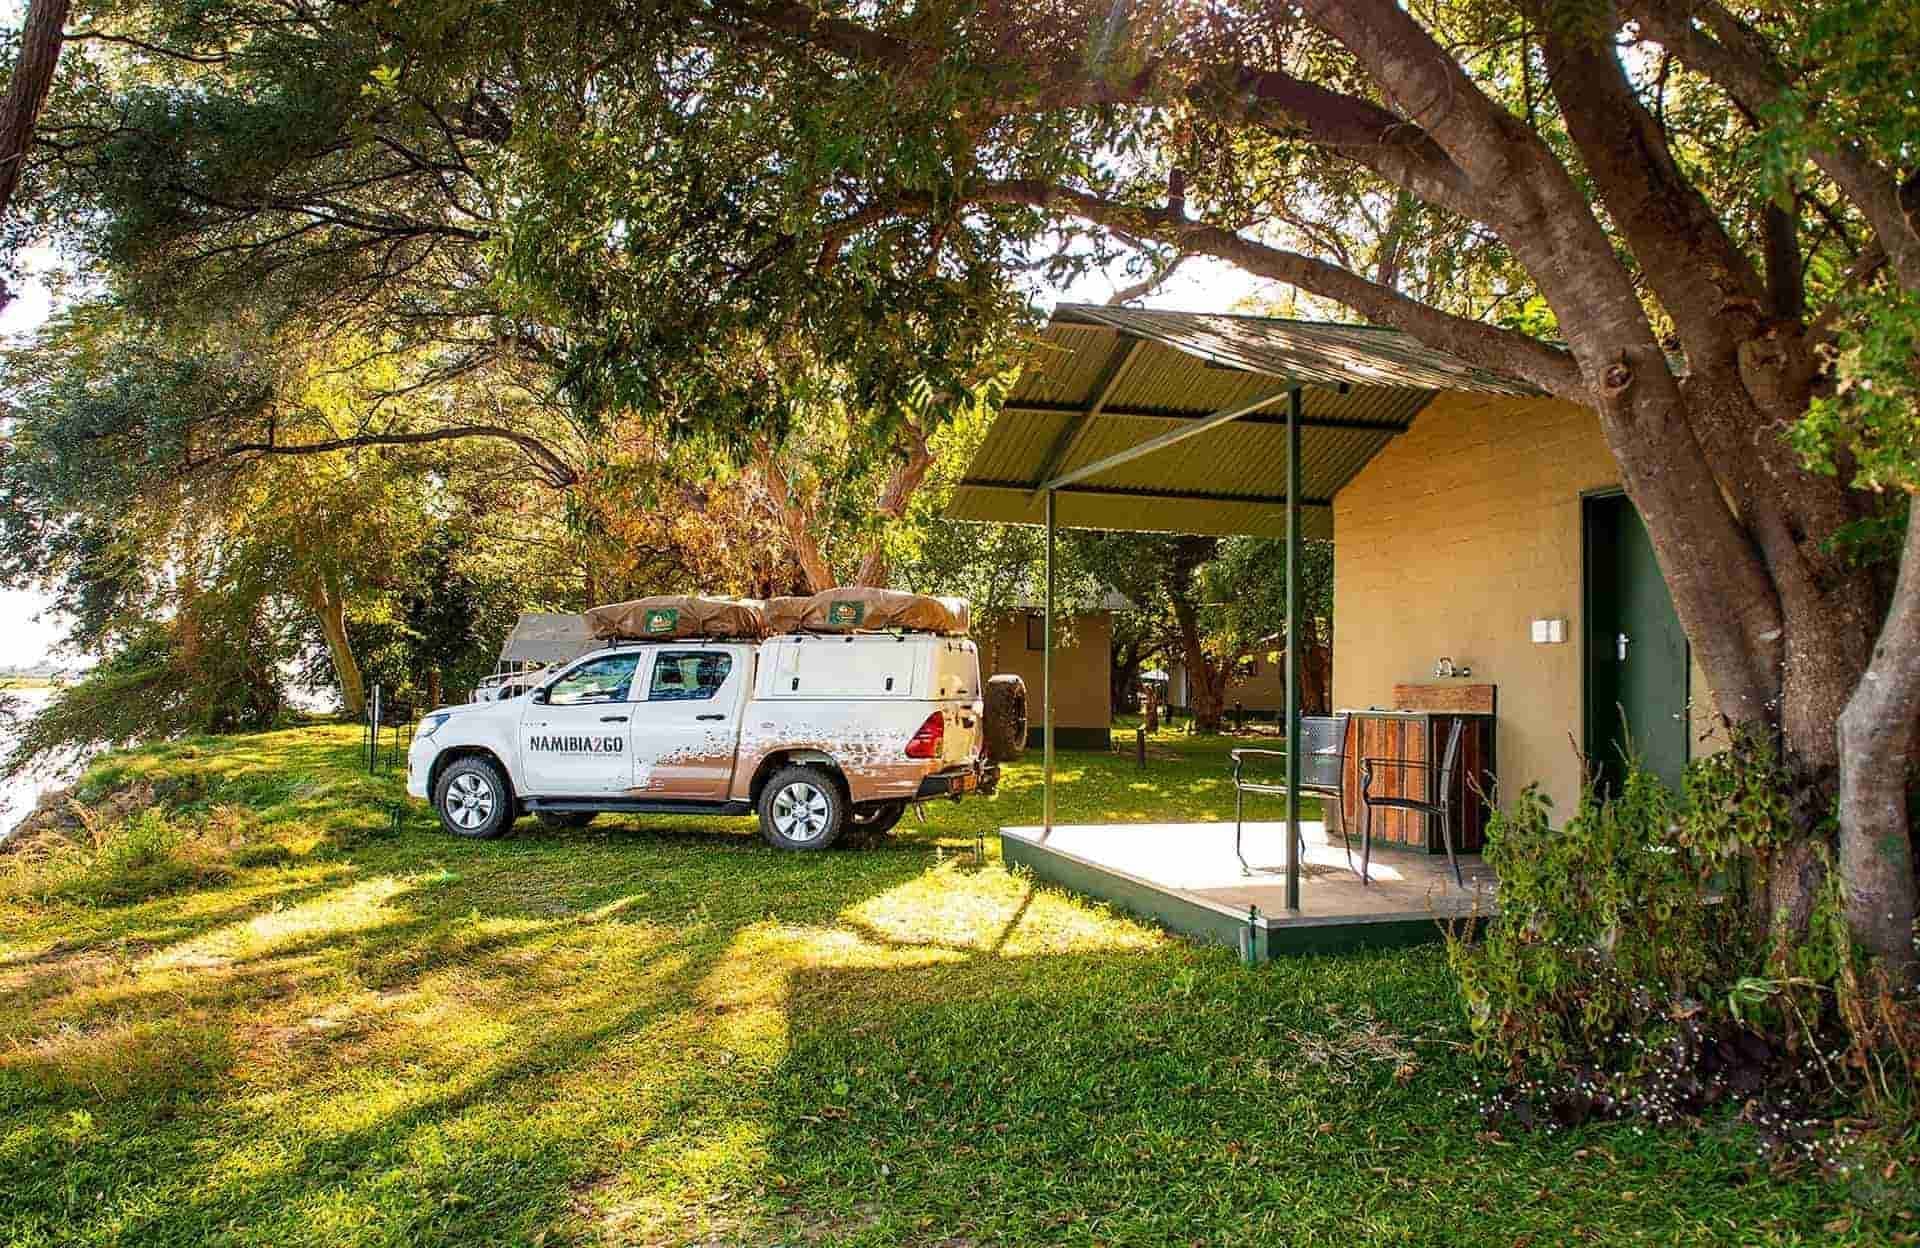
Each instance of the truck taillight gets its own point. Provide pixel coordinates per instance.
(926, 740)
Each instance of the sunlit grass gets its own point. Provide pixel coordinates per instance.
(661, 1031)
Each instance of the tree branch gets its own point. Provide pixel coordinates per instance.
(1394, 147)
(795, 518)
(556, 471)
(901, 484)
(1735, 59)
(1488, 346)
(26, 94)
(1693, 267)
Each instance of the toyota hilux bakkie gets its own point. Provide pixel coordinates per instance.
(813, 733)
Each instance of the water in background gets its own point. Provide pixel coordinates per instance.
(18, 795)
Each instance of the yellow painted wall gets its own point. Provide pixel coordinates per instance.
(1082, 693)
(1451, 542)
(1264, 689)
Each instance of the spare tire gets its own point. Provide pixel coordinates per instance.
(1006, 720)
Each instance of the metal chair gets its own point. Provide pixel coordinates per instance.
(1323, 741)
(1441, 809)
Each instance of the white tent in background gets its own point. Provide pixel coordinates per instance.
(542, 639)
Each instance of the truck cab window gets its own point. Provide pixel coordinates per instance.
(688, 675)
(606, 679)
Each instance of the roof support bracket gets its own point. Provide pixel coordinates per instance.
(1124, 354)
(1225, 415)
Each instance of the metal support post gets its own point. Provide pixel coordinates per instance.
(1046, 678)
(1293, 650)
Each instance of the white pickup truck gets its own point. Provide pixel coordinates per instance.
(814, 733)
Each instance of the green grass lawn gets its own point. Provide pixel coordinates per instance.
(663, 1032)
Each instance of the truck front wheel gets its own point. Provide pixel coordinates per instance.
(802, 808)
(473, 800)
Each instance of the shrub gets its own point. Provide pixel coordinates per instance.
(1605, 923)
(154, 687)
(1634, 972)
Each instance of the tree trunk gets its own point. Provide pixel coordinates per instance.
(331, 608)
(1206, 681)
(1877, 735)
(894, 497)
(1316, 678)
(1206, 686)
(796, 518)
(1124, 677)
(27, 94)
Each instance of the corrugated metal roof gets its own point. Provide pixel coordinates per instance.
(1150, 373)
(1319, 352)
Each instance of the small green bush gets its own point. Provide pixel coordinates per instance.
(1634, 969)
(1631, 912)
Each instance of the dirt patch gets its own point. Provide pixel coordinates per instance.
(1350, 1048)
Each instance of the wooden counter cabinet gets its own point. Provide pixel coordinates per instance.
(1421, 737)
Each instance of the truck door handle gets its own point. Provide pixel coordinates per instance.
(1620, 645)
(613, 719)
(709, 716)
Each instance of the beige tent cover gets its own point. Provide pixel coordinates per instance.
(859, 608)
(784, 614)
(668, 616)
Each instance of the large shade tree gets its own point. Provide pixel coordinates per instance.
(1694, 219)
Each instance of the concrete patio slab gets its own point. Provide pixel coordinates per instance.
(1187, 877)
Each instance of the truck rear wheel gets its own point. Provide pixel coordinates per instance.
(1006, 718)
(802, 808)
(473, 800)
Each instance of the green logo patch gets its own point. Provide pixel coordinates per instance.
(845, 614)
(660, 620)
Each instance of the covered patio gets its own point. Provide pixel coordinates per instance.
(1152, 421)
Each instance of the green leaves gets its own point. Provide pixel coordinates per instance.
(1635, 904)
(1872, 420)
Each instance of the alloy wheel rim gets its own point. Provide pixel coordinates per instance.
(469, 801)
(801, 812)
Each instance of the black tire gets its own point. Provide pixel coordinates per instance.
(565, 819)
(473, 799)
(1006, 718)
(876, 818)
(802, 808)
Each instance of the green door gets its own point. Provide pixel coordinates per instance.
(1637, 666)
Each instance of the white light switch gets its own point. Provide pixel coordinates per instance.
(1549, 632)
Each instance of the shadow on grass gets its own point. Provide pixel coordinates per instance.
(442, 1055)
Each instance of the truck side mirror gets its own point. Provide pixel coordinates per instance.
(538, 697)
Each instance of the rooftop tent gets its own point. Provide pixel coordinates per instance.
(1203, 423)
